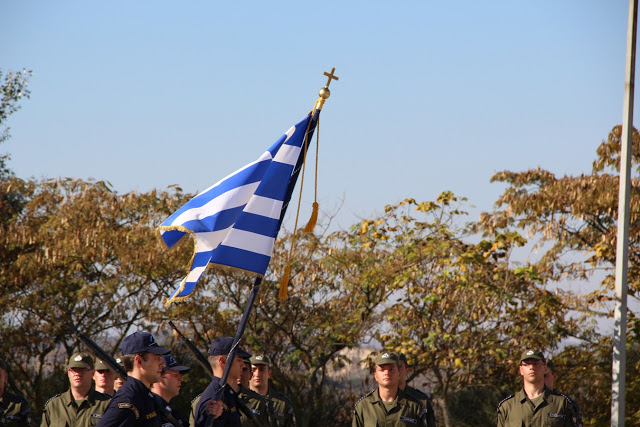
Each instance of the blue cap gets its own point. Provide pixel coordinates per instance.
(141, 342)
(171, 363)
(222, 345)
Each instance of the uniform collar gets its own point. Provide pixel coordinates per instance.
(68, 399)
(521, 396)
(376, 396)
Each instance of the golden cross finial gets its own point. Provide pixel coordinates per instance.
(331, 77)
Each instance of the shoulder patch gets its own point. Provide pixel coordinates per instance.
(50, 399)
(125, 405)
(504, 400)
(364, 397)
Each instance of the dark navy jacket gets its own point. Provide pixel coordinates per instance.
(132, 405)
(230, 416)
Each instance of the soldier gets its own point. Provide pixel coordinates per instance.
(169, 386)
(134, 403)
(255, 402)
(535, 404)
(282, 406)
(104, 378)
(14, 409)
(81, 405)
(388, 404)
(403, 369)
(228, 416)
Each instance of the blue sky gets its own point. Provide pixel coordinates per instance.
(432, 96)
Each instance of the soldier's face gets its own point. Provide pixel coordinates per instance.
(171, 381)
(80, 378)
(260, 375)
(152, 367)
(387, 375)
(104, 378)
(533, 370)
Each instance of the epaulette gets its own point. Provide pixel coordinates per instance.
(504, 400)
(196, 398)
(364, 397)
(50, 399)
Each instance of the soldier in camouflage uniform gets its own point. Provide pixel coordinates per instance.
(535, 404)
(283, 415)
(388, 404)
(81, 405)
(14, 409)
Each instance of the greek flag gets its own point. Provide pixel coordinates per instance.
(235, 222)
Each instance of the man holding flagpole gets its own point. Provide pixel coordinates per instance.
(218, 358)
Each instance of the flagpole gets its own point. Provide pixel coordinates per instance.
(618, 392)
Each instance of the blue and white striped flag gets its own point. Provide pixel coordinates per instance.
(235, 221)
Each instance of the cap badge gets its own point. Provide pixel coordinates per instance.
(152, 340)
(385, 355)
(78, 358)
(530, 353)
(258, 357)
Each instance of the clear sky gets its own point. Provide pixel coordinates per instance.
(432, 96)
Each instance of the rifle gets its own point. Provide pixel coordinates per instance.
(204, 362)
(99, 353)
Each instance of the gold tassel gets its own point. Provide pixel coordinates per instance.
(313, 220)
(284, 283)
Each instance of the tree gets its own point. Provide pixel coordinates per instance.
(462, 312)
(575, 217)
(76, 249)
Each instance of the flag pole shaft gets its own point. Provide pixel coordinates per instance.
(618, 369)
